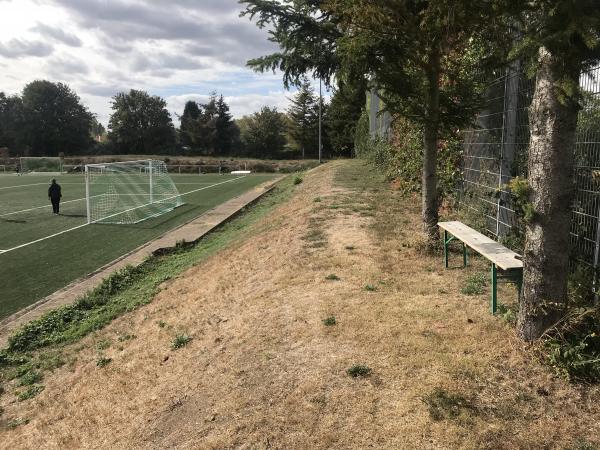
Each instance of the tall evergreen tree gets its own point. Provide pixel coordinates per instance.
(226, 131)
(189, 123)
(343, 113)
(304, 120)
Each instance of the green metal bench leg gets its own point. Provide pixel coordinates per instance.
(464, 255)
(494, 304)
(446, 248)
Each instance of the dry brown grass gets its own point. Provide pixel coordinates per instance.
(263, 371)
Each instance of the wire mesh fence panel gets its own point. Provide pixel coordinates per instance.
(496, 151)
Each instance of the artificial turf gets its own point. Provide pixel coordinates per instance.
(30, 273)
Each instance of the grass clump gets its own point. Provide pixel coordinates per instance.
(103, 361)
(330, 321)
(475, 284)
(444, 405)
(332, 277)
(30, 392)
(359, 371)
(181, 340)
(298, 180)
(30, 378)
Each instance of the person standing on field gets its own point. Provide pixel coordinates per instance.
(54, 194)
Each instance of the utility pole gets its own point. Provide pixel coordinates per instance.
(320, 118)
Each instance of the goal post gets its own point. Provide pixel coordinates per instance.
(129, 192)
(42, 164)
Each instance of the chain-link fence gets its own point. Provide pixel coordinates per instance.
(495, 151)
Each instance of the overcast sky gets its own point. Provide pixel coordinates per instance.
(178, 49)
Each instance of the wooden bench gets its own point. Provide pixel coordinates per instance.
(502, 258)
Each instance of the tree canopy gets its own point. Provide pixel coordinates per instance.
(140, 123)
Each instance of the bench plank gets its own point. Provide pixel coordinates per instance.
(503, 257)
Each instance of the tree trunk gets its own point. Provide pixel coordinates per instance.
(552, 122)
(430, 149)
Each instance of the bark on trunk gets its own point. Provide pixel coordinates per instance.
(553, 122)
(430, 203)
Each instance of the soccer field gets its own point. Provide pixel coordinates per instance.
(41, 253)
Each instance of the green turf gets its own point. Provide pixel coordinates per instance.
(34, 271)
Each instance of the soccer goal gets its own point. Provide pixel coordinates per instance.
(41, 165)
(129, 192)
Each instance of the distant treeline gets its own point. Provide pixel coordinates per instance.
(48, 119)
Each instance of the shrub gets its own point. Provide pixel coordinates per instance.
(330, 321)
(359, 370)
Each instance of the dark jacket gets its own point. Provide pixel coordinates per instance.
(54, 191)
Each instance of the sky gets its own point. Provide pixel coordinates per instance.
(178, 49)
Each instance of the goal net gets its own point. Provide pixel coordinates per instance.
(129, 192)
(41, 164)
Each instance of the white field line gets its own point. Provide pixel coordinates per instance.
(85, 224)
(42, 239)
(80, 199)
(41, 207)
(168, 198)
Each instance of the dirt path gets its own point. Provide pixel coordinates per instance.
(263, 370)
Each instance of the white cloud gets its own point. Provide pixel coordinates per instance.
(100, 48)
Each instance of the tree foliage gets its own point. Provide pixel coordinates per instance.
(263, 133)
(343, 113)
(53, 120)
(307, 34)
(140, 123)
(304, 120)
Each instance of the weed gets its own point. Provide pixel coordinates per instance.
(17, 423)
(330, 321)
(126, 337)
(103, 344)
(317, 200)
(31, 377)
(30, 392)
(298, 180)
(507, 313)
(582, 444)
(103, 361)
(50, 361)
(332, 277)
(359, 370)
(181, 340)
(475, 284)
(443, 405)
(161, 324)
(370, 288)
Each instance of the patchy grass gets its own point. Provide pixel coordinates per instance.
(475, 284)
(444, 405)
(30, 392)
